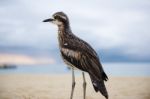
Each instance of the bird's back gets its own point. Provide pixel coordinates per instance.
(80, 54)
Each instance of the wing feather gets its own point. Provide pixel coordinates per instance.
(83, 62)
(82, 56)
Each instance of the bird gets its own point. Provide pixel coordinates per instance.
(78, 54)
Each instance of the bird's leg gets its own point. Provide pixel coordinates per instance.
(84, 86)
(73, 84)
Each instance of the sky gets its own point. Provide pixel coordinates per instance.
(119, 31)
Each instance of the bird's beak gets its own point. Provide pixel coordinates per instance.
(48, 20)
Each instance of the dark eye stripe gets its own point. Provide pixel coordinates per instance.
(60, 18)
(57, 17)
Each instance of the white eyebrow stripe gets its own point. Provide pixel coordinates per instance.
(60, 16)
(64, 17)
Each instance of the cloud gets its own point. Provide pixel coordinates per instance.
(106, 25)
(24, 59)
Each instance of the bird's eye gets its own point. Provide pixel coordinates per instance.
(56, 17)
(60, 18)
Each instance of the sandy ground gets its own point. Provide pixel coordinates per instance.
(33, 86)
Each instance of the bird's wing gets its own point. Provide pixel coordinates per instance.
(81, 55)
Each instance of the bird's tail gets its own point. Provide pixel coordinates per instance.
(99, 86)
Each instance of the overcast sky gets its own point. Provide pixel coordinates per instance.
(118, 30)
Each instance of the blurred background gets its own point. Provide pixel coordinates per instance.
(118, 30)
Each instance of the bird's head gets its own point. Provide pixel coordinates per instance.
(59, 18)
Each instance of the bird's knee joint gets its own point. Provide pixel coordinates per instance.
(73, 84)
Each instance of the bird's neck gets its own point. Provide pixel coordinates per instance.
(63, 34)
(63, 29)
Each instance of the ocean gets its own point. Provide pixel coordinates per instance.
(111, 69)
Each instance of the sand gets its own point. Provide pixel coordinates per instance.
(42, 86)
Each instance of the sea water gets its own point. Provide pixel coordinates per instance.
(111, 69)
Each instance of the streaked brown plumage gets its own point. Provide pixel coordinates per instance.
(79, 54)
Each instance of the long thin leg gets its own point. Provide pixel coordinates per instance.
(73, 84)
(84, 86)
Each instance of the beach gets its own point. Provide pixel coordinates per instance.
(58, 86)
